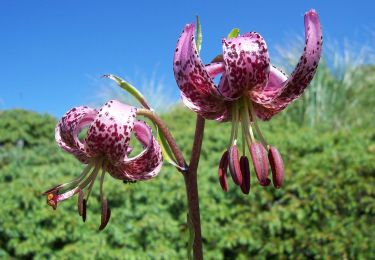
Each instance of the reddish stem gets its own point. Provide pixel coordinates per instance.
(192, 188)
(190, 176)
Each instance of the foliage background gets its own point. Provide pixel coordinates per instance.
(325, 210)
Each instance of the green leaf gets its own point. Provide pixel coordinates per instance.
(234, 33)
(198, 40)
(129, 88)
(165, 148)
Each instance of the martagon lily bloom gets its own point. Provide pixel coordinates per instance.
(249, 88)
(105, 148)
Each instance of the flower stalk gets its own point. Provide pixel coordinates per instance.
(192, 188)
(190, 173)
(168, 136)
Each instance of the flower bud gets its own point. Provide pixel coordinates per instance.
(259, 157)
(223, 167)
(234, 165)
(277, 167)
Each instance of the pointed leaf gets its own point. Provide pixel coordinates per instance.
(234, 33)
(130, 89)
(198, 41)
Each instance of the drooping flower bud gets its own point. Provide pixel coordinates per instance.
(223, 168)
(245, 169)
(234, 165)
(277, 167)
(260, 161)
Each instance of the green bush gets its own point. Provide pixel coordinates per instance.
(325, 210)
(25, 128)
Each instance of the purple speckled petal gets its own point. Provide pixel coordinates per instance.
(215, 68)
(68, 128)
(247, 65)
(193, 79)
(109, 134)
(145, 165)
(225, 88)
(304, 71)
(201, 108)
(274, 87)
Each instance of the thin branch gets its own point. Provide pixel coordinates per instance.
(168, 136)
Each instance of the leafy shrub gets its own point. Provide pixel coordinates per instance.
(325, 210)
(25, 128)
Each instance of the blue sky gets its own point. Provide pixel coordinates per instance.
(52, 53)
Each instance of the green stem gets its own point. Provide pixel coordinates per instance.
(190, 175)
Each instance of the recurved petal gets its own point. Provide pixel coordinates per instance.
(247, 64)
(304, 71)
(215, 68)
(145, 165)
(274, 87)
(68, 128)
(206, 107)
(192, 77)
(109, 133)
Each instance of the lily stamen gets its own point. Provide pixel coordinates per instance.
(106, 211)
(92, 177)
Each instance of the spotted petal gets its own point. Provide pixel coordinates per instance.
(195, 82)
(68, 128)
(274, 87)
(247, 65)
(145, 165)
(109, 134)
(215, 68)
(302, 74)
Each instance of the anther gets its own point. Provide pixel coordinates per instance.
(80, 202)
(84, 205)
(245, 170)
(234, 165)
(277, 167)
(259, 157)
(223, 168)
(106, 214)
(52, 199)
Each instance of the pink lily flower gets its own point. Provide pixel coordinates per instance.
(105, 148)
(249, 88)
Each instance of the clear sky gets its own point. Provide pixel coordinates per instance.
(52, 53)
